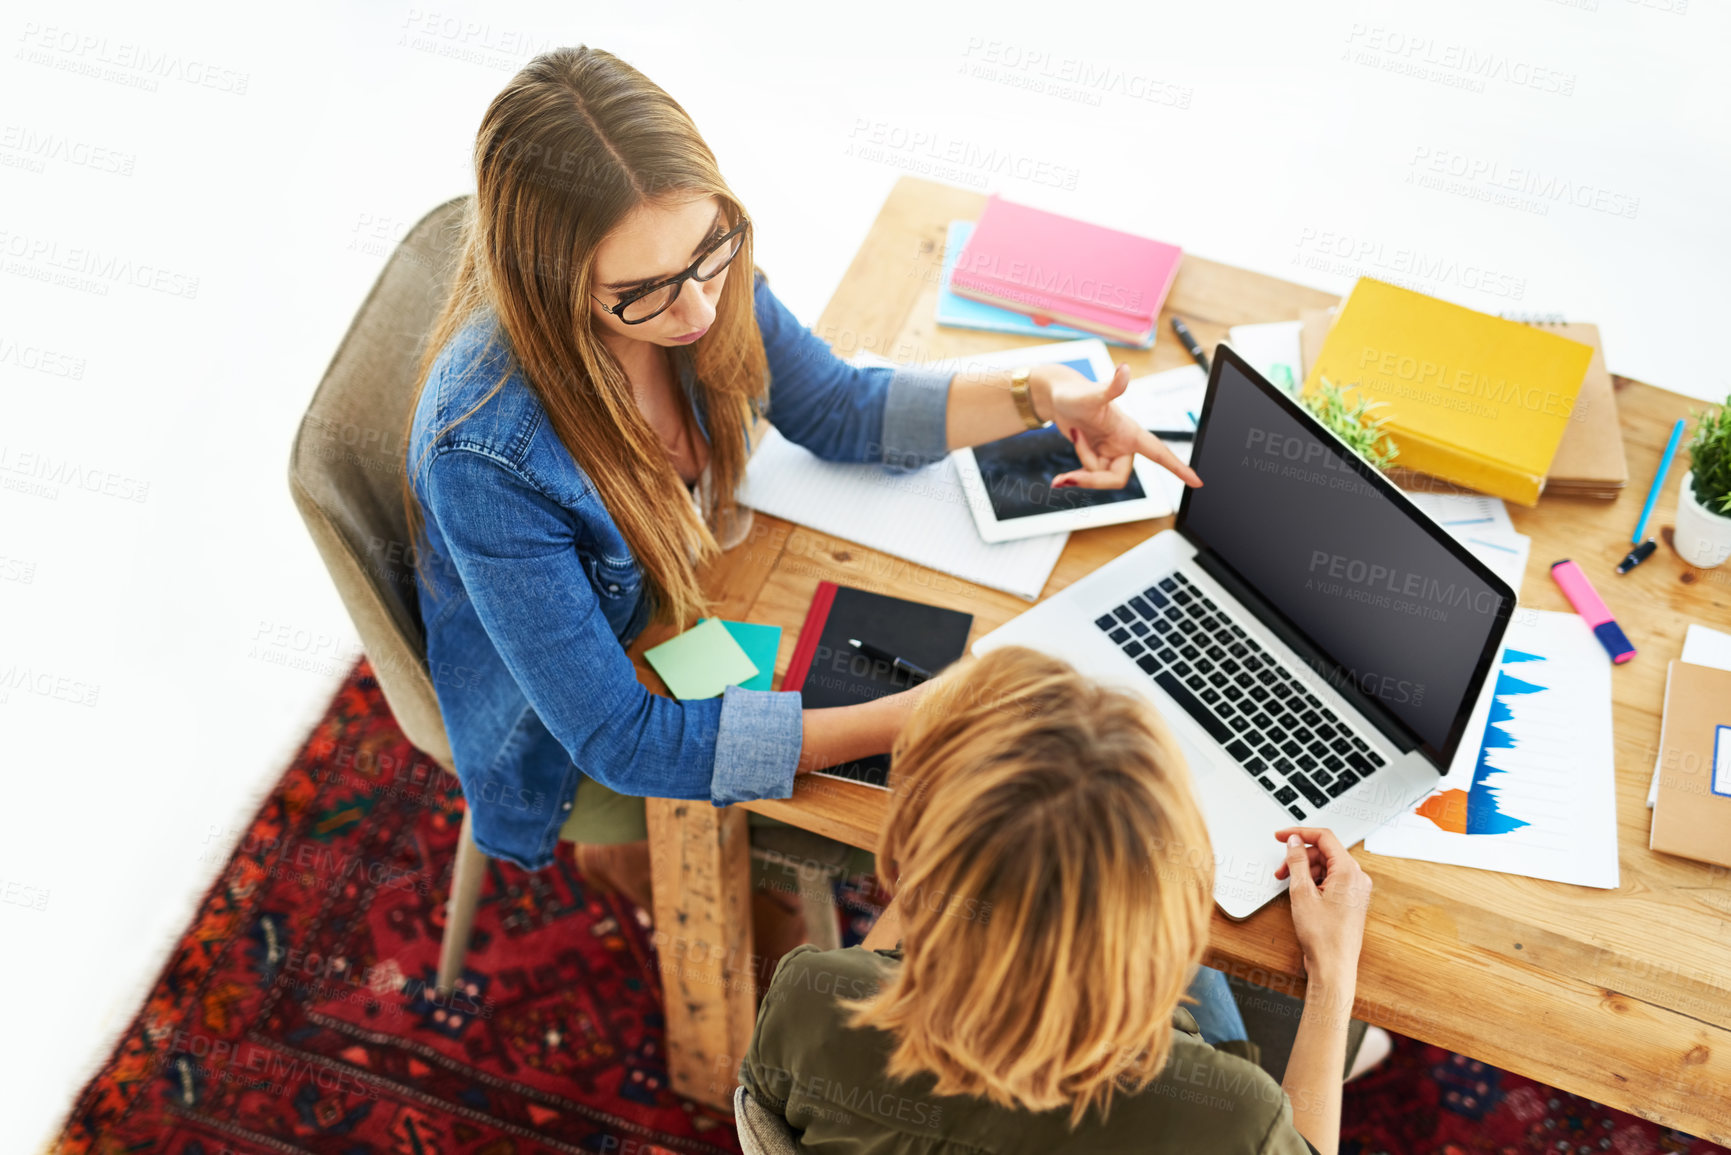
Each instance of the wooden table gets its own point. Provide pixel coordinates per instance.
(1623, 996)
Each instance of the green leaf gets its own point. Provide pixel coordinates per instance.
(1710, 458)
(1352, 423)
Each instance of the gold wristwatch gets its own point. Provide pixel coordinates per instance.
(1024, 402)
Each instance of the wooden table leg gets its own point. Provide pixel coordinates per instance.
(701, 868)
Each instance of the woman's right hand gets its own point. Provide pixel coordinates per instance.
(1330, 897)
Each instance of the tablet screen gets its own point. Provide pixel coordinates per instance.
(1017, 471)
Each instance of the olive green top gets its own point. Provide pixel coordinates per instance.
(827, 1081)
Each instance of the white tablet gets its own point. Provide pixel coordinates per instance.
(1008, 483)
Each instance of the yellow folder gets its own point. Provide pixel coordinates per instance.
(1468, 397)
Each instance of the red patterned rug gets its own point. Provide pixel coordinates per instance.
(296, 1014)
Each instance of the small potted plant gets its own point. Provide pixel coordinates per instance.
(1704, 497)
(1352, 422)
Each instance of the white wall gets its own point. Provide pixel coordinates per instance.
(183, 626)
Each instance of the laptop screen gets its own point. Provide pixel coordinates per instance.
(1382, 592)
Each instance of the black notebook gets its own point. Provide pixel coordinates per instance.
(827, 671)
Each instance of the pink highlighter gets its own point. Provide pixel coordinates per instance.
(1591, 606)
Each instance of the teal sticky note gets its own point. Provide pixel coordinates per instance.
(761, 644)
(701, 662)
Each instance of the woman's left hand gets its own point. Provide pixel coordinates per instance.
(1106, 439)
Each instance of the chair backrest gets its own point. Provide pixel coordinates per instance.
(761, 1131)
(348, 464)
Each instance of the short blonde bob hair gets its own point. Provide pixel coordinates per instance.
(1054, 876)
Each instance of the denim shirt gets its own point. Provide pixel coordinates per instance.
(530, 595)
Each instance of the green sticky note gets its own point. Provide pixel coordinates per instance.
(701, 662)
(760, 643)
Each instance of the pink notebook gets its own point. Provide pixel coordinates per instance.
(1057, 269)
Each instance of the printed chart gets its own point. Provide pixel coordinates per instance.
(1532, 789)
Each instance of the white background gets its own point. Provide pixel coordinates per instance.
(1289, 138)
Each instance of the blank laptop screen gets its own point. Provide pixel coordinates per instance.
(1405, 619)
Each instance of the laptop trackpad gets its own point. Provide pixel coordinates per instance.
(1241, 826)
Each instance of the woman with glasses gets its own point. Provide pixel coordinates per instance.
(581, 430)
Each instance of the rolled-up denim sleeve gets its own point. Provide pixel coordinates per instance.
(915, 405)
(515, 551)
(756, 745)
(844, 412)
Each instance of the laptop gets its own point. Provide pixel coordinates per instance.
(1314, 640)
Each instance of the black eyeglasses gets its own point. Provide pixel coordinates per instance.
(640, 305)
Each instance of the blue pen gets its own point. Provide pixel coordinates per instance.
(1192, 417)
(1644, 550)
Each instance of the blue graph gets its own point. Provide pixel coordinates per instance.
(1475, 810)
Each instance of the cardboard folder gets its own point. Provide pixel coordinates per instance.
(1692, 815)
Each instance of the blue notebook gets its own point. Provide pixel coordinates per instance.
(966, 314)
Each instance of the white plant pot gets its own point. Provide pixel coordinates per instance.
(1703, 537)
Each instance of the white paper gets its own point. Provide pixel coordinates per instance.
(1540, 798)
(1464, 511)
(1166, 400)
(1505, 553)
(922, 515)
(1701, 647)
(1272, 350)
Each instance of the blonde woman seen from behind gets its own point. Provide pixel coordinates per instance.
(1053, 877)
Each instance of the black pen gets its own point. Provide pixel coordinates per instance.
(1174, 434)
(896, 663)
(1183, 332)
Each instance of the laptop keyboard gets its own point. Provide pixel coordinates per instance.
(1292, 744)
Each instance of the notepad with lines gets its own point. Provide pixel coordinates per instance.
(920, 515)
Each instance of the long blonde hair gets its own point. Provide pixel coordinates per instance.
(1054, 875)
(575, 142)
